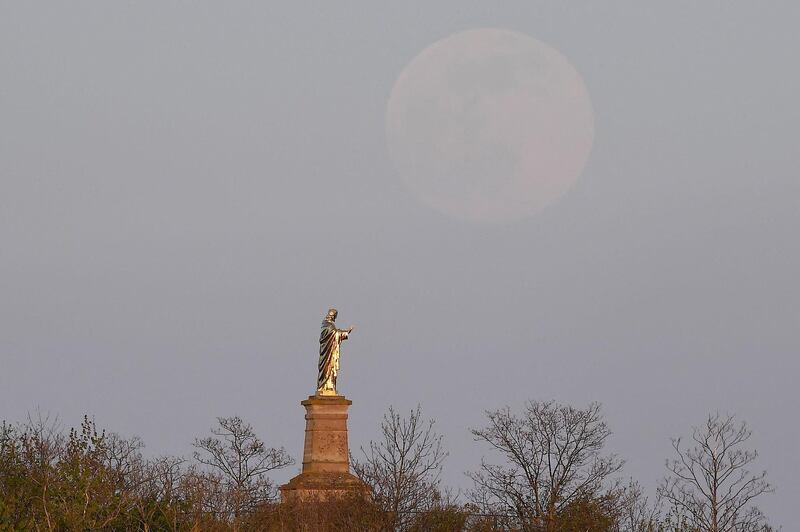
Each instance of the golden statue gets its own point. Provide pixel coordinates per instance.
(329, 339)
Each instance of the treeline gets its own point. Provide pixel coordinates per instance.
(545, 468)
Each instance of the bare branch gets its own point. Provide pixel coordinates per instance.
(709, 486)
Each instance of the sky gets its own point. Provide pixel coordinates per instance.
(187, 187)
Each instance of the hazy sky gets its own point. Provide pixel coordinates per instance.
(186, 187)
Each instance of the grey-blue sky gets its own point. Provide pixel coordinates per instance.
(186, 187)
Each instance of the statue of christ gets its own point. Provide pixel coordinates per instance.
(329, 339)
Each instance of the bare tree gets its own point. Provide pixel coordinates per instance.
(123, 455)
(156, 493)
(552, 463)
(635, 512)
(403, 468)
(239, 462)
(709, 485)
(42, 444)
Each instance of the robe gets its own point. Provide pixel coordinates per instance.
(329, 339)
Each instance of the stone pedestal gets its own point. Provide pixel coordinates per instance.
(326, 461)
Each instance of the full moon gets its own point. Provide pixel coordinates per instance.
(489, 125)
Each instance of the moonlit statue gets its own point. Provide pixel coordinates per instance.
(329, 339)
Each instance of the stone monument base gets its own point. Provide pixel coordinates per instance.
(326, 460)
(323, 487)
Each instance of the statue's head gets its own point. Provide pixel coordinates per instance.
(332, 313)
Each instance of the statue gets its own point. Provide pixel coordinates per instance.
(329, 339)
(326, 454)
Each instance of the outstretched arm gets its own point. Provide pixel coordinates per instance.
(344, 333)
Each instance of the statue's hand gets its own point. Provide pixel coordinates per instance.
(350, 330)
